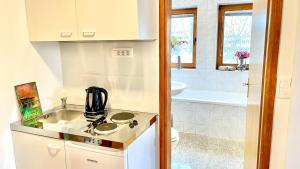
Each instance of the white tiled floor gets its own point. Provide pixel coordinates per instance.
(201, 152)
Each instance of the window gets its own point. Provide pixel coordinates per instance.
(234, 34)
(183, 37)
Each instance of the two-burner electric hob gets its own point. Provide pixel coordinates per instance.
(106, 124)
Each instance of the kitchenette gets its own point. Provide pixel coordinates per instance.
(102, 111)
(64, 138)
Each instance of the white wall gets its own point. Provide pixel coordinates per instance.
(22, 62)
(132, 83)
(205, 76)
(293, 149)
(282, 116)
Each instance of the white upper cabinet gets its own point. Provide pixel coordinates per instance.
(71, 20)
(51, 20)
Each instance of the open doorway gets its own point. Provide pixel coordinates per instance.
(210, 54)
(219, 101)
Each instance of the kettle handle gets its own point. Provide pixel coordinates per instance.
(106, 96)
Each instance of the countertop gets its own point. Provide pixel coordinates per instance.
(75, 130)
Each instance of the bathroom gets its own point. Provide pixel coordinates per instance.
(209, 94)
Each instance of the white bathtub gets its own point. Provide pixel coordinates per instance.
(212, 97)
(214, 114)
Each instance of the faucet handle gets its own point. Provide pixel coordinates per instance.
(64, 102)
(63, 99)
(178, 62)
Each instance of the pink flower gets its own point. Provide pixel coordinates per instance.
(242, 54)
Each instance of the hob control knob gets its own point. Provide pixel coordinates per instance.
(131, 125)
(135, 122)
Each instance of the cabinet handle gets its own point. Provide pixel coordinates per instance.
(53, 150)
(92, 161)
(66, 34)
(88, 34)
(246, 84)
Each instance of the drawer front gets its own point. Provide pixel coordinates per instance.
(83, 159)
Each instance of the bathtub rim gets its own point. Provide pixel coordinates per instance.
(222, 101)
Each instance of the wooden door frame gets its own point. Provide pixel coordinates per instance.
(274, 16)
(164, 84)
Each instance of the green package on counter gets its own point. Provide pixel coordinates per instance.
(28, 100)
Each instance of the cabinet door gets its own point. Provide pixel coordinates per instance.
(51, 20)
(36, 152)
(107, 19)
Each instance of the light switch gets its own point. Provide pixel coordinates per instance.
(284, 87)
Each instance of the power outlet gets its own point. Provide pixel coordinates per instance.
(122, 52)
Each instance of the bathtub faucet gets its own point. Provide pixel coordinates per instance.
(178, 63)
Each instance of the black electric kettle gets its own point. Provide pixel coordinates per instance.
(96, 99)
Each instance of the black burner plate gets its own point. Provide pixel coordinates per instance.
(122, 117)
(106, 128)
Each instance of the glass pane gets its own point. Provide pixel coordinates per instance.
(182, 33)
(237, 34)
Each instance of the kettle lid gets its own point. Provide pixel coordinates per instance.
(92, 88)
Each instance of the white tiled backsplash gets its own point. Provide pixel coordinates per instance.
(205, 76)
(212, 80)
(132, 82)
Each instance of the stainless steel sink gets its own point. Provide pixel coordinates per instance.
(62, 116)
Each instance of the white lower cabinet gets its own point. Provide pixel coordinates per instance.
(141, 154)
(37, 152)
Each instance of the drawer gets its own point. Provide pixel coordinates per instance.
(80, 157)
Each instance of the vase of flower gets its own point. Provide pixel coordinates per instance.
(241, 58)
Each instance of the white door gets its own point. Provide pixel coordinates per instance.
(255, 82)
(36, 152)
(51, 20)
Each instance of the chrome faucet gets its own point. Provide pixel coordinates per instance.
(178, 63)
(64, 102)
